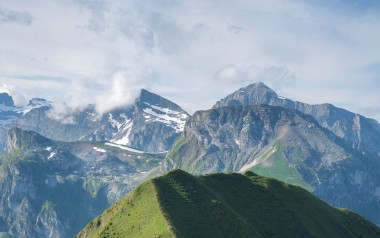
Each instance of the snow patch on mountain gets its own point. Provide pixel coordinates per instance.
(115, 123)
(125, 130)
(125, 148)
(99, 150)
(174, 119)
(9, 113)
(51, 155)
(33, 104)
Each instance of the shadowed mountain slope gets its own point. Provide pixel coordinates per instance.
(224, 205)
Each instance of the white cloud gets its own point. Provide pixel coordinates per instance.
(122, 88)
(62, 112)
(18, 97)
(12, 16)
(180, 48)
(116, 90)
(276, 77)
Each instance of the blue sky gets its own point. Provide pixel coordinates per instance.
(192, 52)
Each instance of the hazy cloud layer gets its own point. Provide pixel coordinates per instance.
(12, 16)
(192, 52)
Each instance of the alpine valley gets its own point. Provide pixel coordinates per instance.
(58, 175)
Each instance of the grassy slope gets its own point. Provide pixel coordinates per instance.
(274, 165)
(227, 205)
(136, 215)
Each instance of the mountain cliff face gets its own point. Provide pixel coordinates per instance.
(362, 133)
(284, 144)
(3, 139)
(231, 138)
(224, 205)
(52, 189)
(151, 124)
(6, 100)
(9, 113)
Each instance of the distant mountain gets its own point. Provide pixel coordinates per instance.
(224, 205)
(151, 124)
(362, 133)
(6, 100)
(9, 112)
(53, 189)
(281, 143)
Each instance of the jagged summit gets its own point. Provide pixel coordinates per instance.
(345, 124)
(258, 86)
(6, 100)
(9, 113)
(151, 123)
(18, 139)
(148, 98)
(37, 102)
(256, 93)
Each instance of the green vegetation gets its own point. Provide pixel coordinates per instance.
(224, 205)
(92, 186)
(137, 215)
(5, 235)
(272, 164)
(175, 151)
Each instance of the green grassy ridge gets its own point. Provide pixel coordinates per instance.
(179, 204)
(274, 165)
(136, 215)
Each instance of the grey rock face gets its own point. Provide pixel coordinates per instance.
(9, 112)
(6, 100)
(53, 189)
(234, 137)
(3, 139)
(281, 143)
(19, 139)
(362, 133)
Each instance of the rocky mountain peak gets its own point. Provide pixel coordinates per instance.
(37, 102)
(258, 86)
(341, 122)
(6, 100)
(149, 98)
(256, 93)
(18, 139)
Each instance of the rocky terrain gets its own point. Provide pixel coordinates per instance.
(285, 144)
(151, 124)
(52, 170)
(362, 133)
(52, 189)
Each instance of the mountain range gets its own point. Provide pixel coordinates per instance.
(151, 124)
(362, 133)
(243, 132)
(329, 151)
(52, 189)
